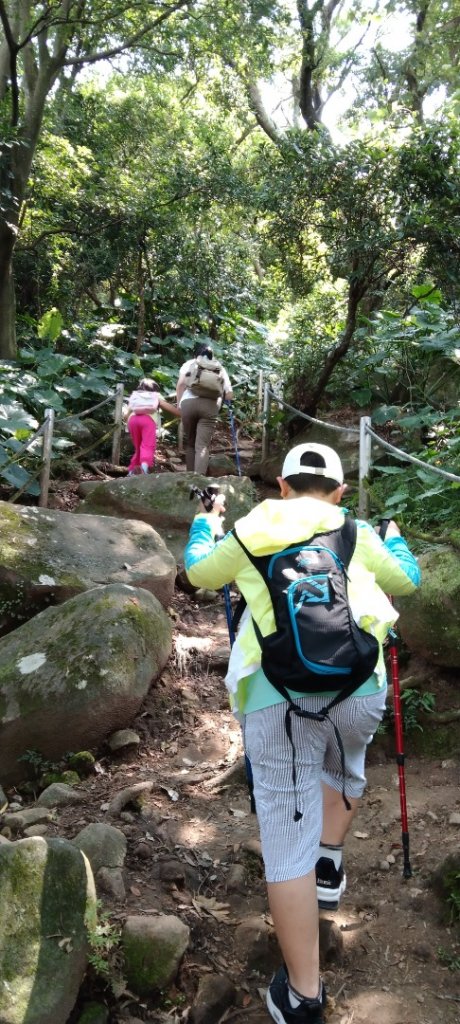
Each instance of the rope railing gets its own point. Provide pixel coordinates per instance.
(366, 436)
(46, 430)
(312, 419)
(399, 454)
(86, 412)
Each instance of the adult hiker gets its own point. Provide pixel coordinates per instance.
(308, 772)
(142, 414)
(202, 386)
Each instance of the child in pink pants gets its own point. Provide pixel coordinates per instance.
(143, 407)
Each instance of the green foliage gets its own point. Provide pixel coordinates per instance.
(50, 325)
(104, 940)
(42, 772)
(449, 959)
(37, 765)
(414, 704)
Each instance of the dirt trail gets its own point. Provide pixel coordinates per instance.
(184, 848)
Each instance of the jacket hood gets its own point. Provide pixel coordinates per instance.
(276, 523)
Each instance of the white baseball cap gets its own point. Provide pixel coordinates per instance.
(332, 468)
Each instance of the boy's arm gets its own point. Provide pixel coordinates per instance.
(395, 568)
(208, 564)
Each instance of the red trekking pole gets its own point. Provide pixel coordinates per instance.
(399, 734)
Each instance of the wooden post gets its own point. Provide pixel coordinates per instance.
(118, 420)
(266, 422)
(260, 394)
(46, 458)
(365, 444)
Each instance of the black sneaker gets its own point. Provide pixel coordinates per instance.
(309, 1011)
(331, 883)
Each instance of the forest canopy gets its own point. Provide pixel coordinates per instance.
(282, 177)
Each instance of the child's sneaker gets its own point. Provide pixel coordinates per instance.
(309, 1011)
(331, 883)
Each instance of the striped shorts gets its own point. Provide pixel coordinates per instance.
(289, 848)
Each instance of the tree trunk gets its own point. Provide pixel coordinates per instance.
(8, 347)
(355, 294)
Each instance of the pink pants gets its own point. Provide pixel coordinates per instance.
(143, 432)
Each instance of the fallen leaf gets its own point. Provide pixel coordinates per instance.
(211, 906)
(135, 891)
(361, 835)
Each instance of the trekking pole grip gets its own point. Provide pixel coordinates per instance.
(384, 524)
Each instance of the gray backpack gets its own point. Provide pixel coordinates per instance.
(205, 378)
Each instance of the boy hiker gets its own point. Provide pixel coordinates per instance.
(202, 386)
(308, 772)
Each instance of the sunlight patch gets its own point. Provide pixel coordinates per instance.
(31, 663)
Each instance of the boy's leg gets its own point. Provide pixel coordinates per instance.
(336, 818)
(294, 909)
(290, 848)
(356, 732)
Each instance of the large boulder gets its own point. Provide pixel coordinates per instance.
(430, 618)
(345, 442)
(47, 557)
(163, 501)
(77, 672)
(48, 903)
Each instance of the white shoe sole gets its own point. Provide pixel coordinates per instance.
(273, 1010)
(329, 899)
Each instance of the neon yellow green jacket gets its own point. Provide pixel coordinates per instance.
(376, 569)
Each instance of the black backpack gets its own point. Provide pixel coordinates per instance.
(317, 645)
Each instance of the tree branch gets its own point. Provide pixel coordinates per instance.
(262, 117)
(115, 51)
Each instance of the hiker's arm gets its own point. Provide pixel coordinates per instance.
(395, 568)
(208, 564)
(181, 386)
(228, 393)
(168, 407)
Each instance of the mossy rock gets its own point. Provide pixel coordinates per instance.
(163, 501)
(48, 900)
(46, 557)
(153, 949)
(78, 672)
(445, 882)
(82, 762)
(430, 618)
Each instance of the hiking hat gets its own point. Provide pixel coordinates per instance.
(329, 466)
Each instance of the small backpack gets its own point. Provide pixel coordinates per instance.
(205, 378)
(143, 400)
(317, 645)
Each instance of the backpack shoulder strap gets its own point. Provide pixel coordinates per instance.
(346, 540)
